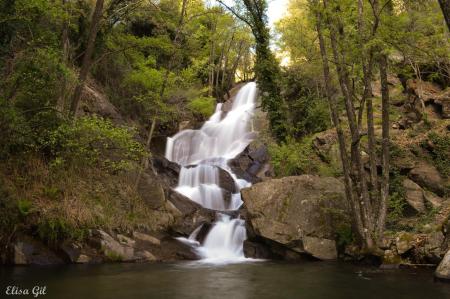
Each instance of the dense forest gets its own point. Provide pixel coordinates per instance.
(352, 91)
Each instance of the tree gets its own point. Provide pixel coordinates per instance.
(445, 6)
(267, 72)
(87, 57)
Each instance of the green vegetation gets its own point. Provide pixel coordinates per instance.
(203, 106)
(441, 152)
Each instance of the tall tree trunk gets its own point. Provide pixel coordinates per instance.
(385, 144)
(87, 57)
(445, 6)
(353, 202)
(358, 173)
(61, 102)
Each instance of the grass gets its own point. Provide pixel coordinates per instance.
(63, 203)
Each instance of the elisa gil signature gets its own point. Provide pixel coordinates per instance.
(35, 291)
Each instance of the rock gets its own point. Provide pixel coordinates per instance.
(390, 257)
(444, 101)
(323, 249)
(414, 195)
(28, 251)
(191, 215)
(428, 177)
(94, 101)
(256, 250)
(145, 256)
(443, 270)
(146, 238)
(111, 248)
(404, 242)
(168, 171)
(287, 209)
(432, 248)
(72, 251)
(124, 240)
(386, 243)
(252, 164)
(434, 200)
(83, 259)
(151, 190)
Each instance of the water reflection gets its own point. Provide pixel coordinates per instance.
(233, 281)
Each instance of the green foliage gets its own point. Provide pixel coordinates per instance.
(441, 152)
(397, 202)
(203, 106)
(96, 142)
(293, 157)
(24, 206)
(55, 229)
(344, 235)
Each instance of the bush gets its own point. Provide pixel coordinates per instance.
(55, 229)
(96, 142)
(293, 157)
(203, 106)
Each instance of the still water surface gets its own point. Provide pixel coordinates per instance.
(310, 280)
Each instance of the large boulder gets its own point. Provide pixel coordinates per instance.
(428, 177)
(28, 251)
(301, 212)
(188, 214)
(414, 195)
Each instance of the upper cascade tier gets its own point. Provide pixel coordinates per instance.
(224, 135)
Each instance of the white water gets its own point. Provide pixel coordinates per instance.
(221, 138)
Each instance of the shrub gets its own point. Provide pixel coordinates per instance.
(203, 106)
(53, 229)
(96, 142)
(293, 157)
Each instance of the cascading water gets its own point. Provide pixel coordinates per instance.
(201, 153)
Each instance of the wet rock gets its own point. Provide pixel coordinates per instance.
(443, 270)
(256, 250)
(191, 215)
(428, 177)
(167, 171)
(252, 165)
(414, 195)
(145, 256)
(27, 250)
(323, 249)
(287, 209)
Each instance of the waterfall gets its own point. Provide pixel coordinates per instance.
(201, 153)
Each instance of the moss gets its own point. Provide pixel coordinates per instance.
(113, 256)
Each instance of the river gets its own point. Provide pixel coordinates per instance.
(194, 280)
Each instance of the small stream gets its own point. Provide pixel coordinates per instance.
(258, 280)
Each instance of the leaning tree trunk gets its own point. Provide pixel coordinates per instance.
(87, 57)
